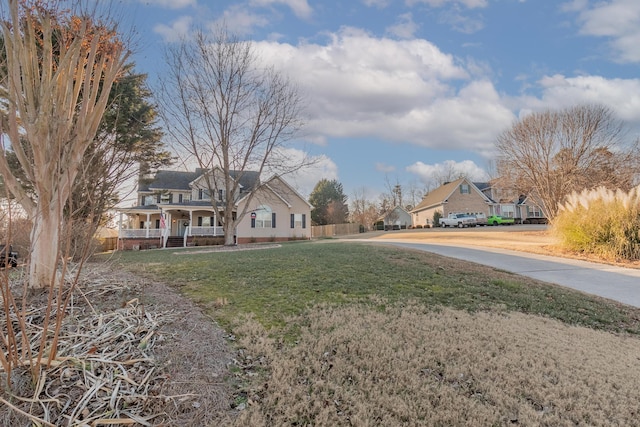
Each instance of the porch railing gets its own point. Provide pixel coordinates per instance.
(205, 231)
(152, 233)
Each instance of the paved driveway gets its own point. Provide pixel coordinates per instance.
(616, 283)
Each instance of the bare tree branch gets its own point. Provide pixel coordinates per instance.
(230, 114)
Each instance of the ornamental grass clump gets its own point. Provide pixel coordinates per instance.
(601, 222)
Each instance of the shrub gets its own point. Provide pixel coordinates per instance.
(601, 222)
(436, 218)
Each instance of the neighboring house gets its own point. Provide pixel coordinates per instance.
(175, 208)
(529, 211)
(523, 209)
(395, 219)
(459, 196)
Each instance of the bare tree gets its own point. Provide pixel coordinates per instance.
(56, 77)
(229, 113)
(551, 154)
(415, 194)
(362, 211)
(393, 196)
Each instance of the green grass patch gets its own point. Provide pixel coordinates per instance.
(273, 284)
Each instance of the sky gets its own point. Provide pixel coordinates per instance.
(402, 91)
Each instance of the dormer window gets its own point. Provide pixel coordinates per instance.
(148, 200)
(203, 194)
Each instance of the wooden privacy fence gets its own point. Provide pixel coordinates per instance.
(108, 243)
(335, 230)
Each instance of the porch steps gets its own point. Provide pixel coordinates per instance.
(175, 242)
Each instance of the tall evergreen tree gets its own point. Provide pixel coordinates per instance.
(329, 203)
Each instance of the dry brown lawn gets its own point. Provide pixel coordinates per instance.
(405, 366)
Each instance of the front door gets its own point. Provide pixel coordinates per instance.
(182, 226)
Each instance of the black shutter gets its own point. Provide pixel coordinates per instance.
(158, 198)
(199, 221)
(253, 223)
(293, 220)
(304, 220)
(273, 220)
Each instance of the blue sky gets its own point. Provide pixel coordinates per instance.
(406, 90)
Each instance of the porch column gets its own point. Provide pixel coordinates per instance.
(215, 222)
(120, 224)
(190, 221)
(147, 224)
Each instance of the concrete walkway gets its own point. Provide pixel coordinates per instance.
(616, 283)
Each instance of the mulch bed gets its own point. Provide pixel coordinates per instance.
(131, 351)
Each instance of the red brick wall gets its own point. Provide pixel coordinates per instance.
(128, 244)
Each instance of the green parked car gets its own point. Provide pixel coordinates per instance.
(499, 220)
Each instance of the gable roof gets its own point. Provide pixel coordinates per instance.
(441, 194)
(169, 180)
(248, 179)
(181, 180)
(272, 185)
(390, 211)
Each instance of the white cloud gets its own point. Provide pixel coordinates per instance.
(574, 6)
(621, 95)
(171, 4)
(461, 22)
(241, 20)
(618, 20)
(449, 169)
(401, 91)
(176, 31)
(405, 27)
(380, 4)
(304, 180)
(471, 4)
(299, 7)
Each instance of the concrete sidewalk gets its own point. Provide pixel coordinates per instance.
(616, 283)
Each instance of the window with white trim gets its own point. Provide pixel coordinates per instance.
(264, 217)
(534, 211)
(298, 221)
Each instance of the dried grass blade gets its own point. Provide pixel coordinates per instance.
(114, 421)
(31, 417)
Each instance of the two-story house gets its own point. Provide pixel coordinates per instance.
(488, 198)
(177, 208)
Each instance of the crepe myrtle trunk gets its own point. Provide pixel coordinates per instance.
(45, 238)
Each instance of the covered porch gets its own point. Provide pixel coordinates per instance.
(148, 227)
